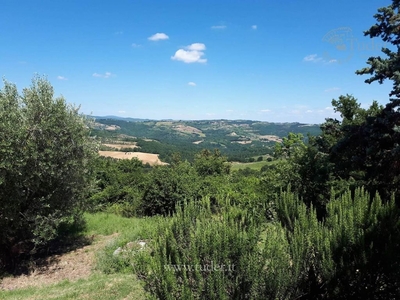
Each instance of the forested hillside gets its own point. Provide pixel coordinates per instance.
(239, 140)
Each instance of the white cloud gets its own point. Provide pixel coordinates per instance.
(218, 27)
(136, 45)
(312, 58)
(191, 54)
(309, 111)
(265, 110)
(254, 27)
(196, 47)
(158, 37)
(334, 89)
(62, 78)
(191, 83)
(105, 75)
(328, 108)
(122, 111)
(315, 58)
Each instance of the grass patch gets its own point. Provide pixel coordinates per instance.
(257, 165)
(129, 230)
(115, 279)
(97, 286)
(107, 224)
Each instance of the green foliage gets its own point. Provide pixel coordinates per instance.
(168, 187)
(45, 156)
(211, 163)
(199, 255)
(292, 146)
(387, 28)
(298, 256)
(342, 255)
(119, 185)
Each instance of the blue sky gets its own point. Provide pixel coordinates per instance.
(271, 60)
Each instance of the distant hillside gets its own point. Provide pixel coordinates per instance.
(119, 118)
(238, 139)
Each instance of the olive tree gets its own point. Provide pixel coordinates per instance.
(45, 156)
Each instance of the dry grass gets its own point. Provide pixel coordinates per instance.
(121, 145)
(152, 159)
(187, 129)
(242, 142)
(112, 127)
(272, 138)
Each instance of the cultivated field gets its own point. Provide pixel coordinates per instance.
(152, 159)
(122, 145)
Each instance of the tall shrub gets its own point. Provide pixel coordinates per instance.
(45, 154)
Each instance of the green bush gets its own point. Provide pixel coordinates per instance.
(352, 254)
(168, 187)
(45, 155)
(119, 183)
(195, 238)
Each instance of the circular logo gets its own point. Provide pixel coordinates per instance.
(341, 40)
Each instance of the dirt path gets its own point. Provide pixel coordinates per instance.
(73, 265)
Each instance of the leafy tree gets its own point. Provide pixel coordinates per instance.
(168, 187)
(211, 163)
(117, 181)
(381, 69)
(45, 155)
(365, 146)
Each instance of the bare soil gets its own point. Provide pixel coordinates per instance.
(73, 265)
(272, 138)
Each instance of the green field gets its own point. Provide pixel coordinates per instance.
(257, 165)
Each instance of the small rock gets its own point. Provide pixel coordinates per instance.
(117, 251)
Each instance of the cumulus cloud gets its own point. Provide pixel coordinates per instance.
(158, 37)
(62, 78)
(254, 27)
(105, 75)
(218, 27)
(196, 47)
(191, 83)
(191, 54)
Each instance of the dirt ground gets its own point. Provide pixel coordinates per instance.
(152, 159)
(73, 265)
